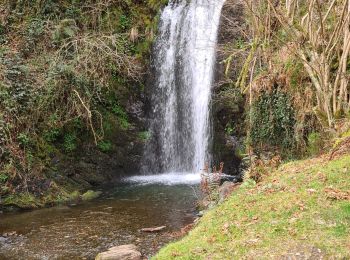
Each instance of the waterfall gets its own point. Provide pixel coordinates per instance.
(183, 65)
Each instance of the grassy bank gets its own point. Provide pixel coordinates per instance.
(301, 209)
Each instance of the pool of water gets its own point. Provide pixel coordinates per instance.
(82, 231)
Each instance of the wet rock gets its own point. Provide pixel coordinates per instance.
(226, 189)
(200, 213)
(153, 229)
(10, 234)
(224, 178)
(228, 103)
(125, 252)
(3, 239)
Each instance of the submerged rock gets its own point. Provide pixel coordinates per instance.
(154, 229)
(125, 252)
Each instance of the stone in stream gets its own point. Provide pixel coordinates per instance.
(154, 229)
(125, 252)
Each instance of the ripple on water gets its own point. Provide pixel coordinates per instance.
(82, 231)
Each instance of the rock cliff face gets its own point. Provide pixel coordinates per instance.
(89, 166)
(228, 103)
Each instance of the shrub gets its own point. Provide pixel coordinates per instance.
(315, 144)
(273, 121)
(3, 177)
(66, 29)
(122, 116)
(104, 146)
(145, 135)
(23, 139)
(52, 135)
(70, 142)
(229, 129)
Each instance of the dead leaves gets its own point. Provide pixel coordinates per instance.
(301, 206)
(311, 191)
(211, 239)
(226, 228)
(335, 194)
(175, 254)
(342, 148)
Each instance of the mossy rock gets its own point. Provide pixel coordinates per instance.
(90, 195)
(22, 201)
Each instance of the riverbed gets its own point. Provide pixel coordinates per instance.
(81, 231)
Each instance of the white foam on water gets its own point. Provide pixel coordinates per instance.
(170, 179)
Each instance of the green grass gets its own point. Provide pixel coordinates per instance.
(288, 213)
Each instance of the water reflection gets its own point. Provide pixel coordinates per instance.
(80, 232)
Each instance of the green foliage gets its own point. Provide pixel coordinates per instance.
(240, 44)
(124, 22)
(241, 152)
(66, 29)
(229, 129)
(22, 200)
(295, 69)
(156, 4)
(70, 142)
(145, 135)
(231, 98)
(248, 184)
(3, 177)
(141, 48)
(122, 116)
(73, 11)
(315, 144)
(272, 118)
(343, 137)
(73, 196)
(105, 146)
(35, 29)
(58, 64)
(24, 139)
(52, 135)
(90, 195)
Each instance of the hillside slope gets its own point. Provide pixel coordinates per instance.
(300, 210)
(72, 80)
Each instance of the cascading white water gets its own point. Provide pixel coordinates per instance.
(183, 65)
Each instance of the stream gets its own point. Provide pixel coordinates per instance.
(82, 231)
